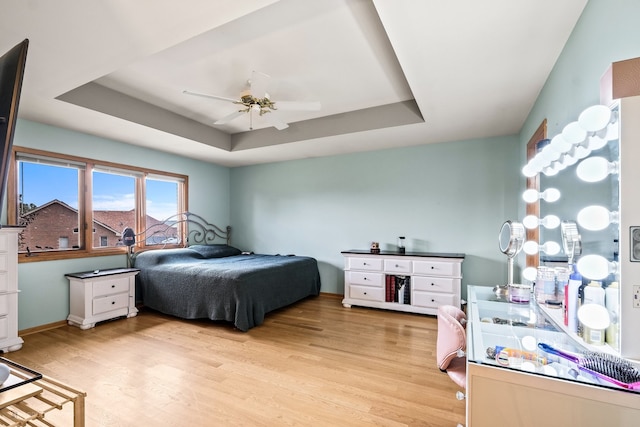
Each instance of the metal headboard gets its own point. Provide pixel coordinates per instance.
(198, 231)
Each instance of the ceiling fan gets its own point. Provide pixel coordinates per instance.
(256, 100)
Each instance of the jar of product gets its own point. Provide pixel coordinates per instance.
(545, 284)
(519, 293)
(556, 299)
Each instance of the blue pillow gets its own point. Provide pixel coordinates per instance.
(215, 251)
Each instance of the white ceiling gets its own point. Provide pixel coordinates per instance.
(388, 73)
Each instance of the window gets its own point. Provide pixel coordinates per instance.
(74, 207)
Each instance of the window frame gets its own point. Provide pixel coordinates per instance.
(85, 209)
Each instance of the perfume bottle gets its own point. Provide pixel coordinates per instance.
(401, 247)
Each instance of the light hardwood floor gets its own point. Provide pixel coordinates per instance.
(314, 363)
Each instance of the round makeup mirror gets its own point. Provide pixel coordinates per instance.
(510, 239)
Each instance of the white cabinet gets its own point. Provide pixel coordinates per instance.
(416, 282)
(101, 295)
(9, 340)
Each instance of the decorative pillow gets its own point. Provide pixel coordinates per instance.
(215, 251)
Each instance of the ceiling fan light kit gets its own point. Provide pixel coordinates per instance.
(256, 104)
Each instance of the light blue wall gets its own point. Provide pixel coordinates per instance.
(607, 32)
(449, 197)
(44, 291)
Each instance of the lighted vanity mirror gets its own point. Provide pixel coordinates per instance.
(576, 195)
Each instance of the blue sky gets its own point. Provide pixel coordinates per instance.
(44, 183)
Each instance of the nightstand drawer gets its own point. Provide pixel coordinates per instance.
(366, 293)
(372, 264)
(111, 302)
(110, 287)
(431, 300)
(367, 279)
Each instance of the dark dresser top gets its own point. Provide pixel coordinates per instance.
(421, 254)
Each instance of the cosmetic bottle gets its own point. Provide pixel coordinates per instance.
(571, 300)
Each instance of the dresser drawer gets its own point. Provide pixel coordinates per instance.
(431, 300)
(400, 266)
(366, 293)
(435, 284)
(111, 286)
(4, 261)
(110, 302)
(371, 264)
(367, 279)
(437, 268)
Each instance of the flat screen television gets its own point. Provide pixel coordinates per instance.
(12, 66)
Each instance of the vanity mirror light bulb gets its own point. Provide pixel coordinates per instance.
(560, 144)
(549, 221)
(595, 118)
(596, 141)
(549, 195)
(597, 218)
(550, 153)
(574, 133)
(596, 267)
(530, 274)
(568, 160)
(529, 171)
(581, 152)
(550, 171)
(531, 248)
(596, 169)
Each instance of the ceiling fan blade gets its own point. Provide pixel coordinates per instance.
(226, 119)
(298, 106)
(275, 122)
(259, 82)
(204, 95)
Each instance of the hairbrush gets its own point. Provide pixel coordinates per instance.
(604, 366)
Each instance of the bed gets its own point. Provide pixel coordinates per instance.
(220, 282)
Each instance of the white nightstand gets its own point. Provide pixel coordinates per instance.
(101, 295)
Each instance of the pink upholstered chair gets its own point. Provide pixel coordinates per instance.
(452, 343)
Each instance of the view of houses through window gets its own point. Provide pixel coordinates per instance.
(56, 196)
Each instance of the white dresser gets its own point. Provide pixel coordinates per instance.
(101, 295)
(416, 282)
(9, 339)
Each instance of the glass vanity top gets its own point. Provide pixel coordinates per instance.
(512, 336)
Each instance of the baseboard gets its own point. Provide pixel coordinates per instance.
(42, 328)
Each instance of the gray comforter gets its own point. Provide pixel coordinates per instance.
(236, 288)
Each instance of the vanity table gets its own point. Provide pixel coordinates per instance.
(515, 391)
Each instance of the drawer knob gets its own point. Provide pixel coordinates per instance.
(365, 263)
(113, 302)
(397, 266)
(433, 284)
(432, 300)
(113, 286)
(365, 293)
(432, 267)
(366, 278)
